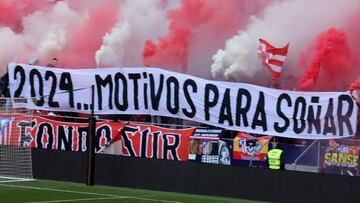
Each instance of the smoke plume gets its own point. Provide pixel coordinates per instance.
(124, 44)
(331, 56)
(173, 49)
(297, 22)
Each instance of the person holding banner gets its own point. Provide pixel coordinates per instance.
(275, 158)
(4, 85)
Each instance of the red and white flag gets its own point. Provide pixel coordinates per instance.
(273, 58)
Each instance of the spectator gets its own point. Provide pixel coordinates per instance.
(4, 86)
(53, 62)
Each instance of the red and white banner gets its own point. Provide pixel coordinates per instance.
(39, 132)
(155, 142)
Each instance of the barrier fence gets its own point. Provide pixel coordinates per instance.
(185, 143)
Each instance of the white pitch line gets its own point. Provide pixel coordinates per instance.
(87, 193)
(104, 198)
(56, 190)
(78, 200)
(13, 181)
(153, 200)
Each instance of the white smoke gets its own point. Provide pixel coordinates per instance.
(112, 51)
(138, 21)
(296, 22)
(234, 57)
(13, 47)
(56, 22)
(43, 32)
(46, 32)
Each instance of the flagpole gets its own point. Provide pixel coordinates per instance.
(91, 141)
(274, 83)
(273, 59)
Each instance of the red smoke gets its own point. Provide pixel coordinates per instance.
(172, 49)
(331, 56)
(8, 15)
(230, 15)
(199, 27)
(12, 12)
(353, 30)
(87, 38)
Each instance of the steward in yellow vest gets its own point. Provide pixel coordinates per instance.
(275, 159)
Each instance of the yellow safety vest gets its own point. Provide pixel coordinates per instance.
(274, 158)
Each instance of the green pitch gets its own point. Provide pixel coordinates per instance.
(44, 191)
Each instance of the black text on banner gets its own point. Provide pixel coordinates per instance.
(235, 106)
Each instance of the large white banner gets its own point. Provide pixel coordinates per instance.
(234, 106)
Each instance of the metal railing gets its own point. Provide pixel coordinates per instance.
(304, 152)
